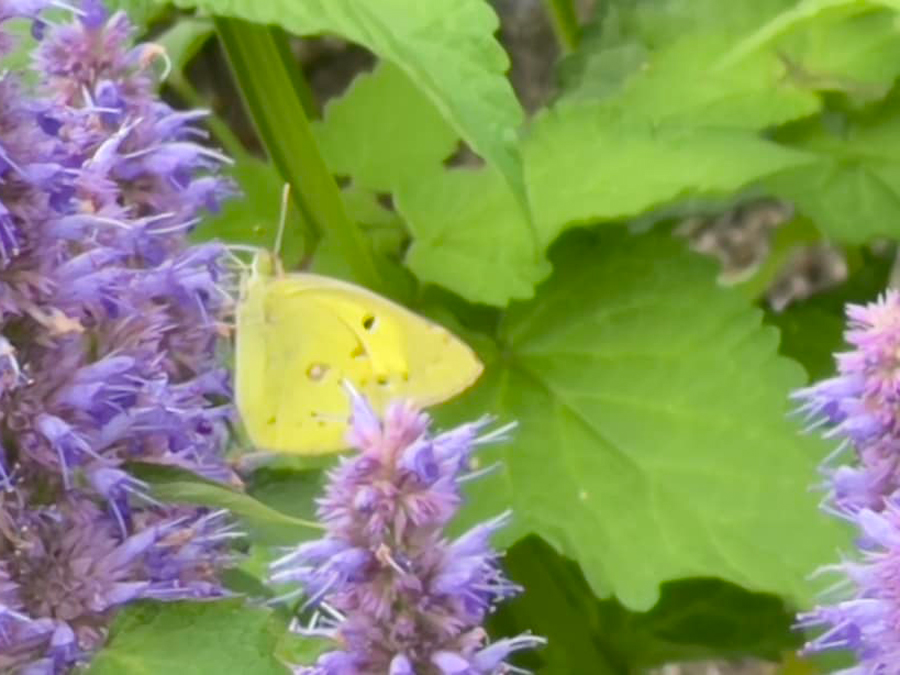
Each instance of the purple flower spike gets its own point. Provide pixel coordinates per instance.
(109, 324)
(388, 586)
(860, 407)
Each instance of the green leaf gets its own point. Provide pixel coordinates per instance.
(584, 165)
(384, 131)
(858, 55)
(643, 52)
(141, 12)
(191, 638)
(797, 15)
(694, 619)
(446, 47)
(471, 236)
(852, 189)
(288, 491)
(654, 441)
(264, 524)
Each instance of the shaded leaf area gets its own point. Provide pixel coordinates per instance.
(446, 47)
(694, 619)
(266, 525)
(653, 440)
(812, 329)
(224, 636)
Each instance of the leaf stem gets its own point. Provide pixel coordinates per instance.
(269, 89)
(565, 23)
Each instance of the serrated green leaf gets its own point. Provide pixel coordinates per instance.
(192, 638)
(384, 131)
(584, 165)
(654, 441)
(470, 236)
(446, 47)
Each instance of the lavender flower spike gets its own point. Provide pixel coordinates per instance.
(109, 322)
(861, 405)
(385, 583)
(861, 408)
(864, 619)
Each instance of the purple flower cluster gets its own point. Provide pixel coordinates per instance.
(860, 407)
(385, 583)
(109, 325)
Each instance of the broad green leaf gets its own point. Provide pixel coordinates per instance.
(446, 47)
(584, 164)
(470, 236)
(694, 619)
(852, 190)
(252, 217)
(384, 131)
(263, 523)
(192, 638)
(654, 442)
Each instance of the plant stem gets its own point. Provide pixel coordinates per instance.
(269, 90)
(565, 23)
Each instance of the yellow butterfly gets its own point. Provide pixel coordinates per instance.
(300, 336)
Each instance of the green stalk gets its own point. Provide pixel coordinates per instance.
(270, 92)
(565, 23)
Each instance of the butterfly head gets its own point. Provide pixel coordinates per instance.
(266, 264)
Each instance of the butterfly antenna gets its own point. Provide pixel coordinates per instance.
(282, 219)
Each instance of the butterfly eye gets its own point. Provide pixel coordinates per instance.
(317, 372)
(369, 322)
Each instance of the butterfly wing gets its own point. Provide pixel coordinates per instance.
(303, 334)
